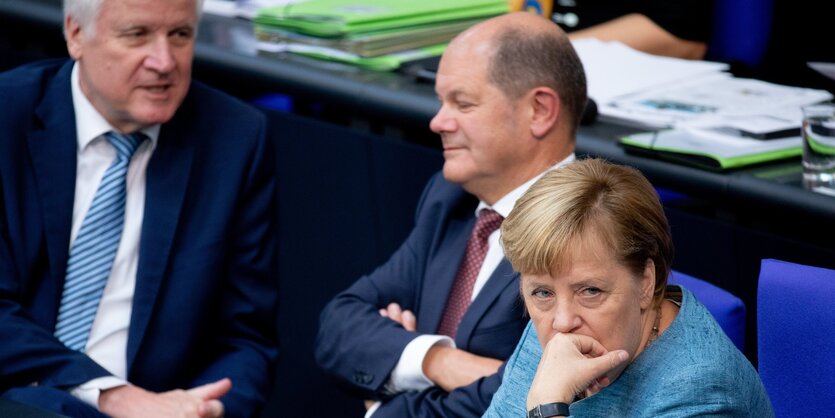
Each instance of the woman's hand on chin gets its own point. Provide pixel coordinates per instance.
(570, 365)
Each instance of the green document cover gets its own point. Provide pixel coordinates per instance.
(711, 150)
(370, 44)
(336, 18)
(387, 62)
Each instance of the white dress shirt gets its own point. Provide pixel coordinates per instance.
(107, 343)
(408, 373)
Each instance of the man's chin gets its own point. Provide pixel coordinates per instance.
(154, 116)
(454, 173)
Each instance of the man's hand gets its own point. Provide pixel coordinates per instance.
(451, 368)
(132, 401)
(403, 317)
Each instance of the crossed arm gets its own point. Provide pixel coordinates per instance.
(449, 368)
(641, 33)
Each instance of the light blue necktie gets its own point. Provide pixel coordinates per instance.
(95, 246)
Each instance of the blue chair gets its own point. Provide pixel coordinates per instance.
(741, 31)
(796, 338)
(727, 309)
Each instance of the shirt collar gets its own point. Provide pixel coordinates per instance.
(504, 205)
(89, 123)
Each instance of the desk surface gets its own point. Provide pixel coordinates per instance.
(226, 46)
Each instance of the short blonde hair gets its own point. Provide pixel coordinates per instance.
(590, 196)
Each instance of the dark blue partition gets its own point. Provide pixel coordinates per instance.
(346, 200)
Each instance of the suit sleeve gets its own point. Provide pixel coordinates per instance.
(356, 344)
(466, 402)
(246, 332)
(29, 353)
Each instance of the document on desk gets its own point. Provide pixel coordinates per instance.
(634, 88)
(241, 8)
(825, 68)
(335, 18)
(373, 34)
(387, 62)
(367, 45)
(713, 101)
(613, 69)
(714, 149)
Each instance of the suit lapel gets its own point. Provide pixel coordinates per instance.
(53, 148)
(167, 179)
(501, 278)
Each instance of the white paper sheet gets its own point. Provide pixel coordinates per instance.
(613, 69)
(639, 89)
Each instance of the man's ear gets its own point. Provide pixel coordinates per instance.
(74, 37)
(545, 104)
(648, 285)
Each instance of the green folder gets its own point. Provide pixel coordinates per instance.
(711, 151)
(371, 44)
(387, 62)
(337, 18)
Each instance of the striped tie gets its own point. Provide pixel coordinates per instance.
(92, 253)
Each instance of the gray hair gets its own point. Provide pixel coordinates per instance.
(85, 13)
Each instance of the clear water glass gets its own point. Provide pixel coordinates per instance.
(819, 147)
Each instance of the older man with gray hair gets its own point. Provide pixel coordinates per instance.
(135, 225)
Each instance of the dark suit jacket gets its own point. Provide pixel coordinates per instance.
(361, 348)
(203, 302)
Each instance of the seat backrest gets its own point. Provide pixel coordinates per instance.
(796, 337)
(727, 309)
(741, 31)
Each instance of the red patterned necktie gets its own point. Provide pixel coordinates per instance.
(462, 290)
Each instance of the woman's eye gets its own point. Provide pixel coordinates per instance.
(541, 293)
(591, 291)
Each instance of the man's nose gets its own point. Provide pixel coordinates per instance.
(160, 57)
(442, 121)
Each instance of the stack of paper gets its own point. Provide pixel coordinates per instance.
(825, 68)
(716, 101)
(246, 9)
(379, 34)
(371, 44)
(709, 117)
(712, 149)
(614, 70)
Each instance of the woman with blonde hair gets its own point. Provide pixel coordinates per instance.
(608, 335)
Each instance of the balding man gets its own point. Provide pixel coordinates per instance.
(426, 333)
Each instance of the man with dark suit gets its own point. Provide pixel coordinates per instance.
(135, 226)
(425, 334)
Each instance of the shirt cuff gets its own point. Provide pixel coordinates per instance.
(408, 373)
(89, 392)
(373, 409)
